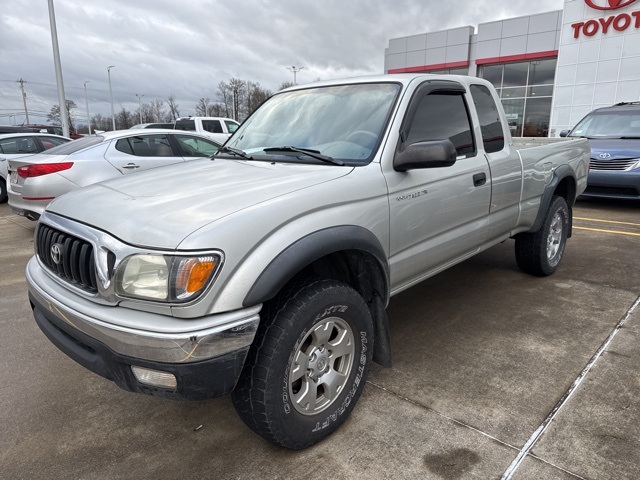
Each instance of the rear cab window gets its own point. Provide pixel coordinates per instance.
(212, 126)
(187, 125)
(489, 117)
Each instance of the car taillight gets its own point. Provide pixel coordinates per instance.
(37, 170)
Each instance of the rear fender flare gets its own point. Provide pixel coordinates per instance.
(562, 172)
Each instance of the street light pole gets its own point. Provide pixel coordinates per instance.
(113, 115)
(86, 101)
(64, 112)
(140, 105)
(294, 70)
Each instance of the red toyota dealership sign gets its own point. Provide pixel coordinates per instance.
(619, 22)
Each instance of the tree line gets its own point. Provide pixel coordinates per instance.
(233, 99)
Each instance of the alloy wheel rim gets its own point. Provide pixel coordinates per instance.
(555, 236)
(321, 366)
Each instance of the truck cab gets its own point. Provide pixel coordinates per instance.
(218, 128)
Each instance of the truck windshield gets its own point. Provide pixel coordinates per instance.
(610, 124)
(344, 122)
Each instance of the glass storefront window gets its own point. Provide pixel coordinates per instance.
(542, 72)
(514, 111)
(513, 92)
(528, 116)
(536, 120)
(515, 74)
(540, 91)
(459, 71)
(493, 73)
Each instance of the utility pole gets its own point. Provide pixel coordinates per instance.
(24, 98)
(294, 70)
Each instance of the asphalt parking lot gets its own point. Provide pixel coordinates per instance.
(495, 372)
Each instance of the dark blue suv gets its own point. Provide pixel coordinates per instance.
(614, 135)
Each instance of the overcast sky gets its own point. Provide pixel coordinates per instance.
(185, 48)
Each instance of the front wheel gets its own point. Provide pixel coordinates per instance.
(308, 365)
(540, 253)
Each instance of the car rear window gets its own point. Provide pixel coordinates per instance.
(75, 146)
(188, 125)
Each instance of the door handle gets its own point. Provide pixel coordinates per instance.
(479, 179)
(130, 166)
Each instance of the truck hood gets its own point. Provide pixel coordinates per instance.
(160, 207)
(618, 149)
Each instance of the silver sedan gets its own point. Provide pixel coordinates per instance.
(16, 145)
(36, 180)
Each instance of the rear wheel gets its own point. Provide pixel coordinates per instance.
(308, 365)
(3, 190)
(540, 253)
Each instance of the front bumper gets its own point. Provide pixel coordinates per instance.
(613, 184)
(206, 362)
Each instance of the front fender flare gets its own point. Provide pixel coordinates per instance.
(306, 250)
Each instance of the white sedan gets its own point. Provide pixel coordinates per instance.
(36, 180)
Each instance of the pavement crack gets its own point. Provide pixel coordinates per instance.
(451, 419)
(526, 449)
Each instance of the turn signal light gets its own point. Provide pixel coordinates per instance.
(39, 169)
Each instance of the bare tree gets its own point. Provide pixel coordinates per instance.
(98, 122)
(256, 95)
(284, 85)
(174, 113)
(54, 115)
(156, 111)
(203, 107)
(124, 119)
(225, 95)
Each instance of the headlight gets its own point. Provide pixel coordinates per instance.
(165, 278)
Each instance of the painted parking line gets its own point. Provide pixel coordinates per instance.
(617, 232)
(606, 223)
(597, 220)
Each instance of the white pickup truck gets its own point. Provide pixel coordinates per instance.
(218, 128)
(265, 271)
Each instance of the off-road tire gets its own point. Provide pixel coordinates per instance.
(308, 364)
(540, 253)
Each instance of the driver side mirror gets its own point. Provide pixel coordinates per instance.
(564, 133)
(431, 154)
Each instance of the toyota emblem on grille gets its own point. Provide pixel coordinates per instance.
(56, 253)
(605, 155)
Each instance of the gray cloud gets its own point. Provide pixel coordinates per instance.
(163, 47)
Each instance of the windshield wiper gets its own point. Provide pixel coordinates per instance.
(306, 151)
(631, 138)
(234, 151)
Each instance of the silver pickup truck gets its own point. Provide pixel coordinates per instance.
(265, 271)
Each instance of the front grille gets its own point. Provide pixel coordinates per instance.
(72, 259)
(624, 164)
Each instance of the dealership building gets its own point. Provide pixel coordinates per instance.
(550, 69)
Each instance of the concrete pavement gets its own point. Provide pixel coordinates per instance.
(483, 355)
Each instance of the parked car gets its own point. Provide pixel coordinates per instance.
(152, 125)
(614, 136)
(37, 180)
(55, 129)
(16, 145)
(15, 129)
(218, 128)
